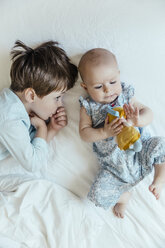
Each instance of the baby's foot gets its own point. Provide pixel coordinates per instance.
(119, 209)
(156, 187)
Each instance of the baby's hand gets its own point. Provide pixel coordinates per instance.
(58, 120)
(132, 114)
(36, 121)
(114, 128)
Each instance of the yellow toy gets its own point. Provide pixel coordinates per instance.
(129, 137)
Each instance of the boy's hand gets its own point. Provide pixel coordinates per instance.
(36, 121)
(58, 120)
(40, 125)
(114, 128)
(132, 114)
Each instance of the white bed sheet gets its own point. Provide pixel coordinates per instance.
(46, 214)
(56, 213)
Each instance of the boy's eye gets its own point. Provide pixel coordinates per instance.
(57, 98)
(98, 87)
(113, 82)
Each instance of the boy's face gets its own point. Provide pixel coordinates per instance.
(102, 83)
(46, 106)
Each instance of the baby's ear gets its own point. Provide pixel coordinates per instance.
(83, 85)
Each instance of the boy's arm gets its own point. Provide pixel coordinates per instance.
(40, 125)
(57, 122)
(50, 133)
(145, 114)
(32, 155)
(90, 134)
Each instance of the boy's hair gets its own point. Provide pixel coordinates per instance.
(45, 68)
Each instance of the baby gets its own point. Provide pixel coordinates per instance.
(39, 78)
(119, 170)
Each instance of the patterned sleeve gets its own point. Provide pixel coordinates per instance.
(85, 103)
(128, 92)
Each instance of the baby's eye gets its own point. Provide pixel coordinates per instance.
(113, 82)
(98, 87)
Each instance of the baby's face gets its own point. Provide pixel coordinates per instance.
(103, 83)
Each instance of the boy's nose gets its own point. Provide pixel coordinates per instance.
(59, 103)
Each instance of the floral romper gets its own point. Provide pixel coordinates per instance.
(119, 170)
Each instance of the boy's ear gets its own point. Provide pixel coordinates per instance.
(29, 95)
(84, 85)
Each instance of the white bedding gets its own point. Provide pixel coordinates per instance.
(55, 213)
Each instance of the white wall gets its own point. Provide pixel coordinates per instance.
(133, 29)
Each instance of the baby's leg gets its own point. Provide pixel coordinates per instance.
(153, 154)
(120, 207)
(106, 189)
(159, 180)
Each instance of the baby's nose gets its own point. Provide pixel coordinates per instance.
(106, 89)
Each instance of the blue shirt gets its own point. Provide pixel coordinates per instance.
(16, 135)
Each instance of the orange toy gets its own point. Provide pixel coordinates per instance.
(129, 135)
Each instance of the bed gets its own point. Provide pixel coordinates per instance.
(54, 212)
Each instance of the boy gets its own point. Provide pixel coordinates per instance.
(39, 77)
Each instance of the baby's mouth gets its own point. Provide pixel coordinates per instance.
(111, 96)
(114, 100)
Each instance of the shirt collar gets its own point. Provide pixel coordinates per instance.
(20, 108)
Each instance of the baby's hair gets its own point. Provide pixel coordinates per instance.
(95, 57)
(45, 68)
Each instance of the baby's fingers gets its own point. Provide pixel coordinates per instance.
(112, 122)
(118, 130)
(132, 109)
(136, 112)
(127, 110)
(117, 122)
(107, 120)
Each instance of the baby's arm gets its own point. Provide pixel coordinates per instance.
(137, 113)
(90, 134)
